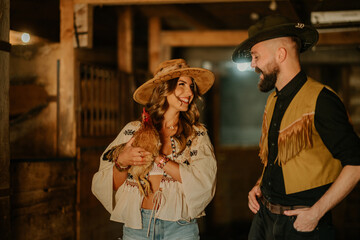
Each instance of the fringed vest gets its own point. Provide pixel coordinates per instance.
(306, 162)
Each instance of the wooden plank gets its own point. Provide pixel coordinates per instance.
(103, 103)
(53, 225)
(43, 200)
(5, 226)
(202, 38)
(135, 2)
(24, 98)
(97, 101)
(339, 38)
(108, 103)
(154, 43)
(233, 38)
(67, 119)
(91, 101)
(42, 175)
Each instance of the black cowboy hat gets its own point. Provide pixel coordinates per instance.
(275, 26)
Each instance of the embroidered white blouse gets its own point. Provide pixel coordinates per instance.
(186, 200)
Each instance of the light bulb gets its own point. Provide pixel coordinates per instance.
(25, 37)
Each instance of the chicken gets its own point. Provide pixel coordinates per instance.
(148, 138)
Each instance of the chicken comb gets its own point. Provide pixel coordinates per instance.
(145, 117)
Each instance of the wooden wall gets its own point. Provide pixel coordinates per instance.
(34, 101)
(43, 185)
(43, 199)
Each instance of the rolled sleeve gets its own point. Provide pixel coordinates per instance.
(199, 177)
(337, 133)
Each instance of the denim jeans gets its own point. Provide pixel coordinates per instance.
(269, 226)
(163, 229)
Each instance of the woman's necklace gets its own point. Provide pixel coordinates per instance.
(172, 125)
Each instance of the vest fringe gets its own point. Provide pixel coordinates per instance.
(263, 153)
(296, 137)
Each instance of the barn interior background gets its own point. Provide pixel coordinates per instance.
(67, 91)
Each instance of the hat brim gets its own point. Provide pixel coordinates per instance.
(204, 79)
(307, 34)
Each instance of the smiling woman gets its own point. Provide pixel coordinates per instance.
(180, 180)
(183, 94)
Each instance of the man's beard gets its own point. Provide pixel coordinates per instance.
(268, 83)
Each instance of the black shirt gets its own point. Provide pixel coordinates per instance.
(332, 124)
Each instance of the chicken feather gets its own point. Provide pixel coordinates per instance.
(148, 138)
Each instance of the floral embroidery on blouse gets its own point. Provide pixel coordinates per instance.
(200, 133)
(167, 179)
(129, 132)
(131, 183)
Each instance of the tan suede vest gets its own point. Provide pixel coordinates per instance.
(306, 162)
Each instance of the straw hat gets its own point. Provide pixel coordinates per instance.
(171, 69)
(275, 26)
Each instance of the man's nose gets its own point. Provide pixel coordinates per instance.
(253, 65)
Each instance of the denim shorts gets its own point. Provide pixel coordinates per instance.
(181, 229)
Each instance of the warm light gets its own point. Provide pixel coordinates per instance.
(25, 37)
(273, 5)
(243, 66)
(207, 65)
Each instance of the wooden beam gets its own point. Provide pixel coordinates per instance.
(198, 17)
(136, 2)
(202, 38)
(5, 226)
(339, 38)
(233, 38)
(154, 43)
(67, 125)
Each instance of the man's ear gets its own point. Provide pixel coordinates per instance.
(281, 54)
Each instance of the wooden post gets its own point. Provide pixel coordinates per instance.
(67, 121)
(125, 39)
(125, 62)
(5, 226)
(84, 15)
(154, 43)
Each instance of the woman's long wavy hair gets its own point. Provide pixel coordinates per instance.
(158, 105)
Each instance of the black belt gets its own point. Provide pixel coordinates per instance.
(277, 208)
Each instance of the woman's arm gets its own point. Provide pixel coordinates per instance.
(127, 157)
(170, 167)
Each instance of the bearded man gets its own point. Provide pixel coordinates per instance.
(310, 152)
